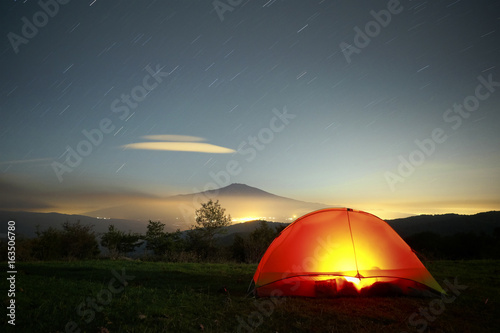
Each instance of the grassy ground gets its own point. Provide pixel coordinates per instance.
(168, 297)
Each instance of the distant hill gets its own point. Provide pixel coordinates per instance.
(443, 225)
(244, 203)
(447, 224)
(241, 201)
(26, 222)
(244, 229)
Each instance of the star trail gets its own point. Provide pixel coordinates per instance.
(386, 106)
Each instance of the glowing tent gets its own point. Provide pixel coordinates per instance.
(340, 251)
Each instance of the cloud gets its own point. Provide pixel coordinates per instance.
(18, 197)
(35, 160)
(174, 142)
(173, 137)
(23, 203)
(199, 147)
(20, 194)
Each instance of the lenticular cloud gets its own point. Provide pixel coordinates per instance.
(169, 142)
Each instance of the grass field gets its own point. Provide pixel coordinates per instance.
(87, 296)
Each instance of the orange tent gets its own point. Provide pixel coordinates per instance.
(340, 251)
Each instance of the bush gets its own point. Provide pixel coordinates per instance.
(120, 243)
(161, 243)
(457, 246)
(79, 241)
(74, 241)
(252, 248)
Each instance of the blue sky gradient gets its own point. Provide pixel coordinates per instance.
(290, 110)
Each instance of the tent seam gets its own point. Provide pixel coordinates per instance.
(353, 246)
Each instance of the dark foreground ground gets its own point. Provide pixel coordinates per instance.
(134, 296)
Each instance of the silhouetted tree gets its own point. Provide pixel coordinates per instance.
(48, 244)
(211, 220)
(238, 248)
(460, 245)
(79, 241)
(259, 241)
(73, 241)
(252, 248)
(118, 242)
(280, 228)
(161, 242)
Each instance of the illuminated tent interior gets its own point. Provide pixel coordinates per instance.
(341, 252)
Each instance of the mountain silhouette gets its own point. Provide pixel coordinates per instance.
(241, 201)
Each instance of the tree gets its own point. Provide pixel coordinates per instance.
(156, 238)
(73, 241)
(238, 248)
(48, 244)
(161, 242)
(118, 242)
(79, 241)
(211, 220)
(252, 248)
(258, 241)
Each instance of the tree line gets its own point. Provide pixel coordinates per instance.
(75, 241)
(461, 245)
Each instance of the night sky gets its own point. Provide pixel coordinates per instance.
(384, 106)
